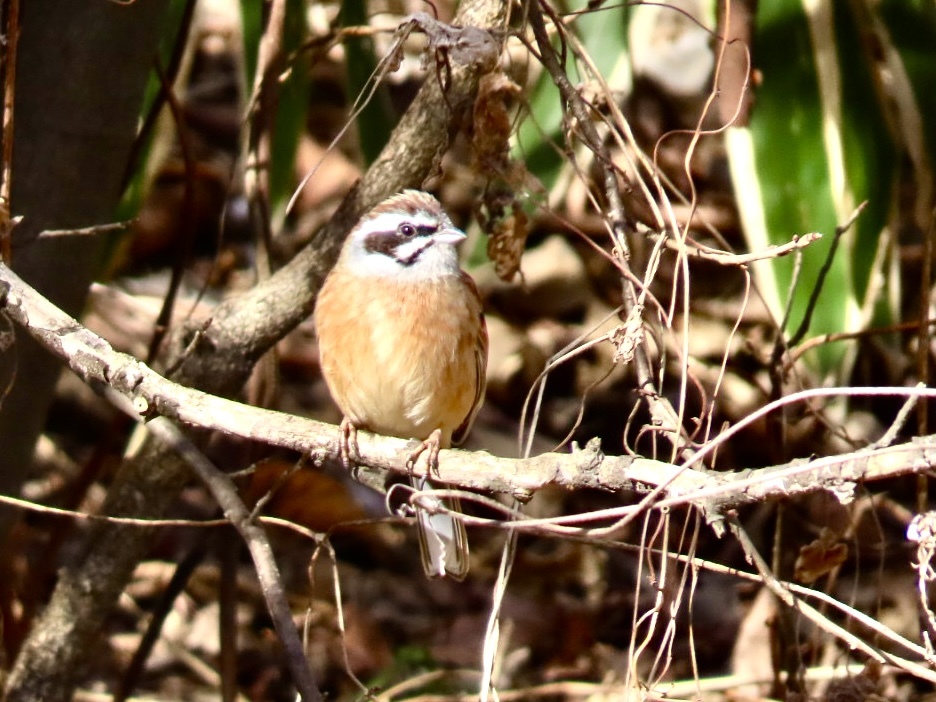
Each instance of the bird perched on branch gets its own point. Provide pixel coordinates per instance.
(403, 346)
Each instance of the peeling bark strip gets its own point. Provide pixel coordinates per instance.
(98, 364)
(469, 46)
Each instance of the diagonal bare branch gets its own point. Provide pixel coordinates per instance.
(92, 358)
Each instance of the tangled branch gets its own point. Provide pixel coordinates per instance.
(99, 365)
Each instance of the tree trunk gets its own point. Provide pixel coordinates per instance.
(82, 68)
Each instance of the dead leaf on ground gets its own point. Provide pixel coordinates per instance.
(819, 557)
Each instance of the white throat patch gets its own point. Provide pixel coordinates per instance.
(377, 247)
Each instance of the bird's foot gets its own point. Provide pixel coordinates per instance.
(347, 440)
(431, 444)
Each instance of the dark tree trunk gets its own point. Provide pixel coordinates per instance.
(81, 72)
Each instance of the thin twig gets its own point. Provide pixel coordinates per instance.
(785, 596)
(262, 110)
(823, 274)
(155, 109)
(163, 608)
(727, 258)
(11, 31)
(574, 102)
(924, 336)
(186, 219)
(225, 494)
(893, 431)
(799, 351)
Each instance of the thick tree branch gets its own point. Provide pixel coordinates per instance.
(92, 358)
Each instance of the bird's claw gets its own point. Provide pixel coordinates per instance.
(348, 438)
(431, 444)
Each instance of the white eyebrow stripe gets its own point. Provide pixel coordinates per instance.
(389, 221)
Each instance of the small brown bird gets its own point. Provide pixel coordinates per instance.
(403, 345)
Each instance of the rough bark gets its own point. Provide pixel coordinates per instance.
(81, 72)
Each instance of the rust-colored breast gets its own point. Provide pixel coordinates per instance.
(403, 359)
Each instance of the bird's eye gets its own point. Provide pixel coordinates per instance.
(407, 230)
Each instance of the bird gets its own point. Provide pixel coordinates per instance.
(403, 347)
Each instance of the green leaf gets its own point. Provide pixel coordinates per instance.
(819, 147)
(291, 110)
(139, 182)
(603, 33)
(377, 118)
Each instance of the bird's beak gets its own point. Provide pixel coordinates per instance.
(450, 235)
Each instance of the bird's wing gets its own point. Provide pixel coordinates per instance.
(481, 357)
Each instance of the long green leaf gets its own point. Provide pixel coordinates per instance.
(376, 120)
(819, 146)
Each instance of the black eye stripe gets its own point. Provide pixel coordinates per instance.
(410, 230)
(413, 257)
(388, 243)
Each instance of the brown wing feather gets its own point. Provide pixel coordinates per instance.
(481, 355)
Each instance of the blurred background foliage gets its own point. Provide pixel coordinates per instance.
(814, 108)
(826, 135)
(838, 119)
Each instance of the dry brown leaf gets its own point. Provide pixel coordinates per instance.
(819, 557)
(492, 124)
(506, 242)
(307, 497)
(503, 219)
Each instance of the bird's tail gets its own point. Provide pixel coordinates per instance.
(443, 543)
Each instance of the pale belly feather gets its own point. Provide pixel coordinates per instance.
(411, 372)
